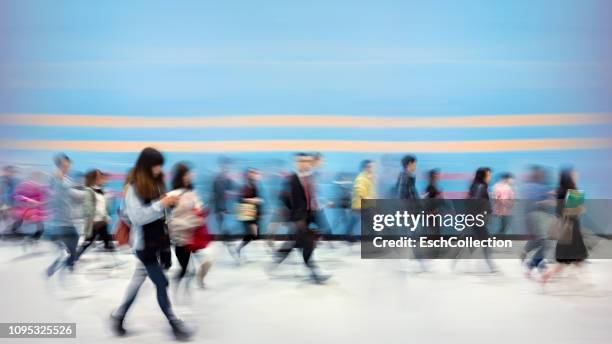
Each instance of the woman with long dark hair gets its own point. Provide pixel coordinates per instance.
(432, 191)
(187, 217)
(478, 196)
(250, 208)
(145, 207)
(573, 252)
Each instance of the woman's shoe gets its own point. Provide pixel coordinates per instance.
(117, 325)
(181, 332)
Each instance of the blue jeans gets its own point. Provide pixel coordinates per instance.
(537, 260)
(148, 266)
(354, 220)
(66, 238)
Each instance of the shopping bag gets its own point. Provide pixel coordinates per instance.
(122, 233)
(561, 230)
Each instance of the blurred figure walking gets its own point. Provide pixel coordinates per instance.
(222, 186)
(249, 209)
(8, 184)
(364, 187)
(406, 191)
(30, 199)
(433, 202)
(186, 219)
(145, 206)
(478, 202)
(96, 212)
(571, 252)
(61, 229)
(321, 203)
(406, 180)
(432, 190)
(537, 219)
(300, 201)
(503, 201)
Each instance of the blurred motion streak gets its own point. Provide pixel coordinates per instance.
(320, 145)
(318, 121)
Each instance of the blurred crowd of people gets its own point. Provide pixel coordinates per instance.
(157, 218)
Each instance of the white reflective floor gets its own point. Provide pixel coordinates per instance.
(365, 301)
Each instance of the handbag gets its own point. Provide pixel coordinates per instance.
(246, 211)
(561, 230)
(201, 237)
(122, 233)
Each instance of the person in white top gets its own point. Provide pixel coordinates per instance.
(186, 217)
(96, 212)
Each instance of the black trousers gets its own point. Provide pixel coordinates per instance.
(305, 239)
(98, 231)
(182, 255)
(249, 234)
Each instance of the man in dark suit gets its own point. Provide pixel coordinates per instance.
(299, 198)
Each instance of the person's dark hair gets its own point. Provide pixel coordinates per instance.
(506, 175)
(59, 158)
(566, 180)
(141, 176)
(479, 181)
(178, 177)
(316, 155)
(300, 155)
(407, 160)
(91, 176)
(432, 174)
(481, 173)
(364, 164)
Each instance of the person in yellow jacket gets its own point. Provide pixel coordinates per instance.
(364, 187)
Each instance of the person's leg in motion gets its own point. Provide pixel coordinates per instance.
(157, 276)
(139, 276)
(71, 240)
(104, 235)
(182, 255)
(250, 235)
(283, 252)
(504, 221)
(16, 226)
(40, 228)
(85, 245)
(57, 263)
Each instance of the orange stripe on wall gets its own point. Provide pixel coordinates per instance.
(322, 121)
(316, 145)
